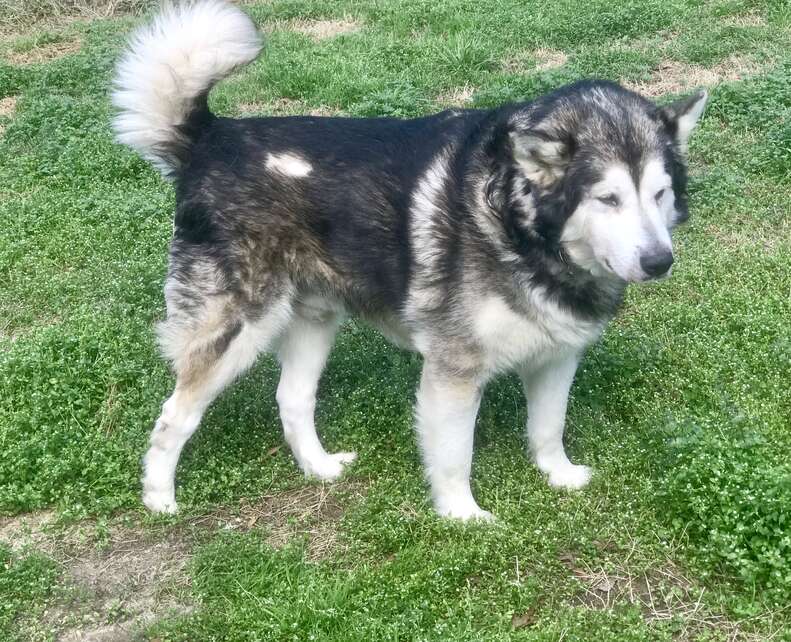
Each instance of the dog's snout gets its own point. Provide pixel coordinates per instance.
(657, 263)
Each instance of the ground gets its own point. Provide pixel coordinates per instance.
(683, 408)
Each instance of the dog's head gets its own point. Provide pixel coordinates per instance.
(599, 172)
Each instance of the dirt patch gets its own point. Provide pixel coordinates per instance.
(457, 97)
(662, 593)
(122, 574)
(23, 531)
(322, 29)
(117, 576)
(44, 53)
(311, 513)
(284, 107)
(673, 77)
(7, 106)
(536, 60)
(135, 578)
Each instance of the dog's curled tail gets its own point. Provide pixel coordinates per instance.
(163, 79)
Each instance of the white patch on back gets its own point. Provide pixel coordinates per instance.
(288, 164)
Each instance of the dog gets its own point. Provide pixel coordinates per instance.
(485, 240)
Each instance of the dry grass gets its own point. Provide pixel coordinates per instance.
(752, 239)
(7, 108)
(283, 107)
(457, 97)
(320, 29)
(662, 593)
(28, 530)
(312, 512)
(749, 19)
(123, 569)
(549, 59)
(44, 53)
(536, 60)
(19, 16)
(673, 77)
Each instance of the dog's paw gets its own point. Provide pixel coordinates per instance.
(570, 476)
(159, 501)
(465, 510)
(477, 515)
(330, 467)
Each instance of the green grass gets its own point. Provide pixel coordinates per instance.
(683, 408)
(26, 583)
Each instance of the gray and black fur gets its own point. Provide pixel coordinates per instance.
(295, 222)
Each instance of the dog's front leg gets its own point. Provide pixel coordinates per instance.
(447, 405)
(547, 390)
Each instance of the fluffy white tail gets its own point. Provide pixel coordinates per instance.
(162, 80)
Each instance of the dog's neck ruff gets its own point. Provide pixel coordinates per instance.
(545, 264)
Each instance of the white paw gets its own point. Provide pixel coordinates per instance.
(570, 476)
(329, 467)
(160, 501)
(464, 510)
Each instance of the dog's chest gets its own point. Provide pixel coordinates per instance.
(509, 337)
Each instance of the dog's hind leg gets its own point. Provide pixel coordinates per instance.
(303, 351)
(209, 347)
(547, 391)
(445, 414)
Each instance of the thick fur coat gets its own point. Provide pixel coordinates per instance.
(486, 240)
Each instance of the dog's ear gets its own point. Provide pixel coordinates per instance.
(543, 159)
(682, 115)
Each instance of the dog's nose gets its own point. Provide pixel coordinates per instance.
(656, 264)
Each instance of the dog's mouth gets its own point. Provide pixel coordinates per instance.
(652, 279)
(609, 269)
(629, 278)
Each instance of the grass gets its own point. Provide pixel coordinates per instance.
(683, 408)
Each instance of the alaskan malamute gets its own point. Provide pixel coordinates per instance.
(487, 240)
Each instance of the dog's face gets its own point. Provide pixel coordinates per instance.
(613, 178)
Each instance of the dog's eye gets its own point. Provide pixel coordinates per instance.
(609, 199)
(658, 196)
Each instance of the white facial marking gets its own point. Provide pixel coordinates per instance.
(288, 164)
(616, 224)
(658, 212)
